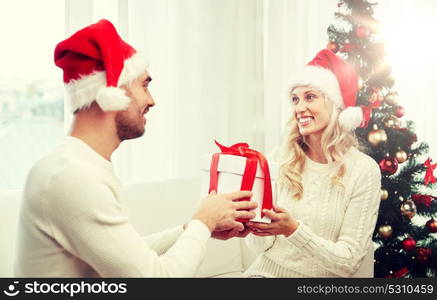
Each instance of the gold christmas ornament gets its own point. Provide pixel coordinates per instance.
(401, 156)
(382, 135)
(385, 231)
(384, 194)
(392, 122)
(408, 209)
(377, 136)
(391, 98)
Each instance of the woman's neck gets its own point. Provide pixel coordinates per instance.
(314, 151)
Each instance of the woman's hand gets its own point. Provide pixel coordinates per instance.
(282, 223)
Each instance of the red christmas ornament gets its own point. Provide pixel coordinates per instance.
(362, 32)
(399, 111)
(399, 274)
(332, 46)
(431, 225)
(429, 175)
(409, 244)
(422, 199)
(389, 165)
(424, 255)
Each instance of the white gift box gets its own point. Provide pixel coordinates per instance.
(230, 174)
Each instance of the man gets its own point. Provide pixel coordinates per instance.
(72, 220)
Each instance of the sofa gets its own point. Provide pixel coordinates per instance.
(152, 207)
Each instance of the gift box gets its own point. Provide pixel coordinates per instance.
(240, 168)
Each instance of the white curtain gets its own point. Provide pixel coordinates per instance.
(206, 66)
(220, 71)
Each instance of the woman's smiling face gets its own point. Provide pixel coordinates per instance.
(311, 110)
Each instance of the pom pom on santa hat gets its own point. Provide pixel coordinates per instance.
(96, 62)
(338, 80)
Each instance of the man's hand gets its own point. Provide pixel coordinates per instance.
(220, 211)
(227, 234)
(282, 223)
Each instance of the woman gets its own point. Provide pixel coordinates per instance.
(329, 191)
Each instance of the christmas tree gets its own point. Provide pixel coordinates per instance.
(404, 247)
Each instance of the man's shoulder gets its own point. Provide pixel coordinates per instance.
(57, 166)
(46, 183)
(60, 184)
(57, 162)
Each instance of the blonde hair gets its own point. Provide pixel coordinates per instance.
(335, 142)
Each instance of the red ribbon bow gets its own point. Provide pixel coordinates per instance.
(429, 176)
(253, 157)
(367, 112)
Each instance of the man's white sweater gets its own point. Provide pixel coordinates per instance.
(73, 224)
(336, 223)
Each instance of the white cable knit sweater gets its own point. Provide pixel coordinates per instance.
(73, 224)
(335, 224)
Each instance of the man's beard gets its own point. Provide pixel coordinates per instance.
(128, 127)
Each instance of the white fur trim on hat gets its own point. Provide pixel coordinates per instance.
(112, 98)
(82, 92)
(351, 117)
(320, 79)
(326, 82)
(133, 67)
(87, 89)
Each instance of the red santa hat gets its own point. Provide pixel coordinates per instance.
(338, 80)
(96, 62)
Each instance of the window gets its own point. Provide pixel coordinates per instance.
(31, 92)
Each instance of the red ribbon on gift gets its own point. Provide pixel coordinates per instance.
(367, 112)
(253, 157)
(429, 176)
